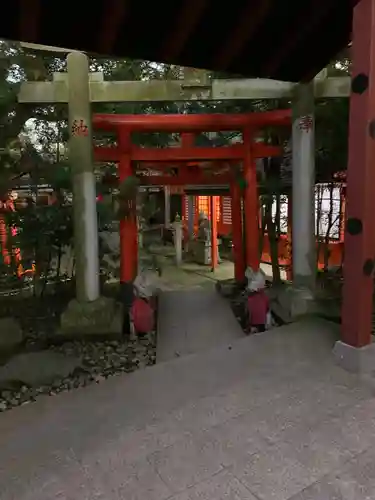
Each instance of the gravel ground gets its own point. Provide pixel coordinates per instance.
(39, 319)
(100, 360)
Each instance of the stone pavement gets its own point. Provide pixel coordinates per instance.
(192, 274)
(268, 417)
(191, 321)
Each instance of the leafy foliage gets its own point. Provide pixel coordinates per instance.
(332, 121)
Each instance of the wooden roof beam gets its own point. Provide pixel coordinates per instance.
(315, 14)
(187, 20)
(30, 14)
(114, 16)
(248, 24)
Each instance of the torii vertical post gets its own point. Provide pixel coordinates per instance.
(84, 188)
(128, 230)
(214, 248)
(88, 313)
(303, 151)
(251, 226)
(360, 235)
(237, 237)
(167, 206)
(188, 139)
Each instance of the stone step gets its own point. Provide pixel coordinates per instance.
(194, 320)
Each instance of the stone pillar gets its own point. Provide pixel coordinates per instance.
(303, 220)
(356, 351)
(167, 206)
(140, 235)
(177, 226)
(88, 313)
(84, 186)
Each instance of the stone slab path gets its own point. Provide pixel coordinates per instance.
(269, 417)
(193, 320)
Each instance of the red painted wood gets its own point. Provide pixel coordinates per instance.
(181, 30)
(187, 140)
(107, 154)
(125, 153)
(335, 252)
(358, 288)
(237, 236)
(214, 248)
(181, 180)
(114, 15)
(184, 154)
(4, 241)
(128, 227)
(193, 122)
(251, 207)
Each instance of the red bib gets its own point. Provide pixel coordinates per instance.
(143, 316)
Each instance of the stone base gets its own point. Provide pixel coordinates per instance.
(202, 252)
(289, 303)
(360, 360)
(127, 297)
(101, 318)
(230, 287)
(11, 337)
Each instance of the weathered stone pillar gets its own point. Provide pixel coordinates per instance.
(177, 226)
(84, 190)
(88, 313)
(167, 206)
(303, 151)
(298, 300)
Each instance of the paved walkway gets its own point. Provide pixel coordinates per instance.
(193, 320)
(269, 417)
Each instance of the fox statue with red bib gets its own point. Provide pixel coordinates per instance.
(258, 306)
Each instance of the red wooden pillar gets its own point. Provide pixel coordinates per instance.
(251, 207)
(184, 214)
(187, 140)
(128, 227)
(237, 237)
(214, 249)
(360, 234)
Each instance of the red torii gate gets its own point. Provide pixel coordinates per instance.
(189, 125)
